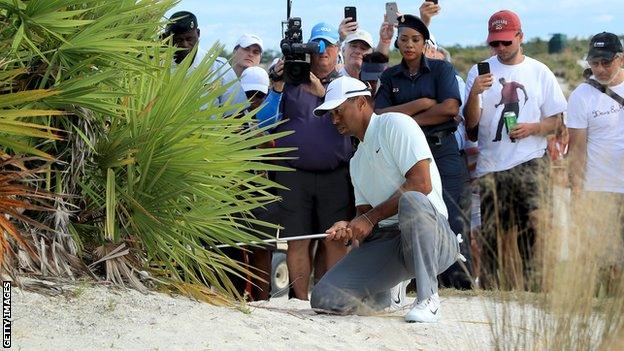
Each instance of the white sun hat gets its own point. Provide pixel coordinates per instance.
(255, 78)
(247, 40)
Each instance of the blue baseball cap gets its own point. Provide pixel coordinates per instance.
(324, 31)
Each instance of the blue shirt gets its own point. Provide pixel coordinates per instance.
(269, 112)
(434, 80)
(319, 145)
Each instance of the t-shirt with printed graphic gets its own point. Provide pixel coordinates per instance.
(603, 118)
(509, 93)
(393, 143)
(530, 90)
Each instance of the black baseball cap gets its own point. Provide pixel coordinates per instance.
(181, 22)
(604, 45)
(414, 22)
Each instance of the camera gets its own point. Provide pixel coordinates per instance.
(296, 53)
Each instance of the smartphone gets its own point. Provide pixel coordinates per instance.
(483, 68)
(433, 1)
(391, 12)
(350, 11)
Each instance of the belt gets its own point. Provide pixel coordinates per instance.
(435, 139)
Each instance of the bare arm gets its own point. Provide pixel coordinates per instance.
(359, 210)
(577, 153)
(427, 10)
(545, 127)
(472, 108)
(416, 179)
(386, 33)
(409, 108)
(439, 113)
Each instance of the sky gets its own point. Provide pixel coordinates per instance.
(461, 22)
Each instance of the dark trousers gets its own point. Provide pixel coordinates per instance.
(456, 194)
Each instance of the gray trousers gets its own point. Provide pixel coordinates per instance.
(422, 247)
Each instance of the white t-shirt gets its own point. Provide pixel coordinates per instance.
(534, 91)
(392, 144)
(603, 118)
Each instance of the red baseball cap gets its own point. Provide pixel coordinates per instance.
(503, 25)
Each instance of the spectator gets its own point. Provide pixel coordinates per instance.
(318, 193)
(355, 46)
(455, 276)
(427, 90)
(184, 28)
(596, 125)
(349, 32)
(401, 219)
(255, 82)
(247, 53)
(373, 65)
(508, 164)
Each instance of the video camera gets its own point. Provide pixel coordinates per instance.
(296, 53)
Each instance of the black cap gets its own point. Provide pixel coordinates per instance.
(414, 22)
(181, 22)
(604, 45)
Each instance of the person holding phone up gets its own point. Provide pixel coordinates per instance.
(522, 94)
(357, 42)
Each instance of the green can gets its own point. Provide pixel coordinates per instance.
(510, 120)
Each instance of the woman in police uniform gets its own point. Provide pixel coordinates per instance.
(427, 90)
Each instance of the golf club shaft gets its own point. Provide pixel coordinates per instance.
(269, 241)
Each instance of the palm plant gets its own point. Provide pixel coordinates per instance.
(148, 176)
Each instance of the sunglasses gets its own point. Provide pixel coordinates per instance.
(497, 43)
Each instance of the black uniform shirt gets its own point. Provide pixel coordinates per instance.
(435, 80)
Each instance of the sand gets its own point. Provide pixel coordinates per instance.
(98, 317)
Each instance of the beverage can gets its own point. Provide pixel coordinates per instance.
(510, 120)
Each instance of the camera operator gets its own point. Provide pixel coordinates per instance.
(318, 193)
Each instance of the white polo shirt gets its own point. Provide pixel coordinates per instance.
(392, 144)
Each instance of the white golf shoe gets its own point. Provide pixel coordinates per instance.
(427, 311)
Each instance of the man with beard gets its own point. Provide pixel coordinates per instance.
(509, 167)
(596, 125)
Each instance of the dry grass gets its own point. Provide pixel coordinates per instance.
(579, 299)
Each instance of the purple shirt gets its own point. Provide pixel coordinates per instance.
(320, 146)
